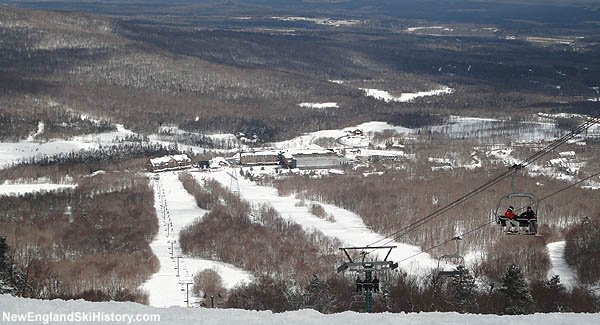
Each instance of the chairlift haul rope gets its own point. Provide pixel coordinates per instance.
(492, 221)
(513, 169)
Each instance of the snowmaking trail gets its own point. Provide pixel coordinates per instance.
(347, 226)
(560, 267)
(176, 209)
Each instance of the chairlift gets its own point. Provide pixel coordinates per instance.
(362, 300)
(515, 195)
(454, 258)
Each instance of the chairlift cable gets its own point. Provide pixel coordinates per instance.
(492, 221)
(513, 169)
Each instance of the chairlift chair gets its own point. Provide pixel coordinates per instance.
(454, 258)
(533, 201)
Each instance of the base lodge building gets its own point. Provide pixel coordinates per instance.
(171, 162)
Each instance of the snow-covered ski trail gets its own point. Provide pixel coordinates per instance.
(176, 209)
(348, 227)
(560, 267)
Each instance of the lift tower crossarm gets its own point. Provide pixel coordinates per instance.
(368, 266)
(364, 263)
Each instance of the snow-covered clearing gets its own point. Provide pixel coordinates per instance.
(176, 209)
(319, 105)
(306, 140)
(322, 21)
(414, 29)
(405, 97)
(168, 136)
(14, 307)
(12, 152)
(175, 130)
(19, 189)
(556, 251)
(457, 127)
(472, 127)
(348, 227)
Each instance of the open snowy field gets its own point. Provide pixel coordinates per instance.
(12, 152)
(309, 139)
(23, 307)
(405, 97)
(20, 189)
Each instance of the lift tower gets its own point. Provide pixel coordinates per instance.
(368, 267)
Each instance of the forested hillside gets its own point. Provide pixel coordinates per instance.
(308, 126)
(250, 78)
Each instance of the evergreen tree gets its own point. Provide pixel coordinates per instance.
(517, 299)
(436, 291)
(557, 292)
(464, 290)
(318, 296)
(12, 280)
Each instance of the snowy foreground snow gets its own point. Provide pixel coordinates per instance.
(20, 307)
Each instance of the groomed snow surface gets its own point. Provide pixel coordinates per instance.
(347, 226)
(556, 251)
(14, 307)
(176, 209)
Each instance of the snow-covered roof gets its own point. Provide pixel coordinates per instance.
(218, 162)
(317, 162)
(260, 153)
(381, 153)
(181, 158)
(166, 159)
(568, 154)
(294, 152)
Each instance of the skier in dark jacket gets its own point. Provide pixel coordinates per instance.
(375, 284)
(359, 284)
(531, 218)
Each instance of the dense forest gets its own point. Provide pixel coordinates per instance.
(58, 65)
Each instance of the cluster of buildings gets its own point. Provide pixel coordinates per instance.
(293, 158)
(302, 159)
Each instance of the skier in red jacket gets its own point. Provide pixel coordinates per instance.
(510, 220)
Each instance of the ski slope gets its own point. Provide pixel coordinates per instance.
(24, 307)
(20, 189)
(176, 209)
(348, 227)
(556, 251)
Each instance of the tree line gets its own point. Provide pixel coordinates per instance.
(91, 242)
(257, 239)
